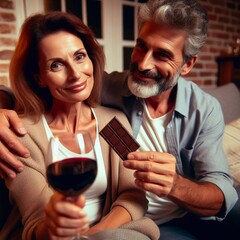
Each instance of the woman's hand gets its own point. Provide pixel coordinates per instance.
(10, 127)
(65, 216)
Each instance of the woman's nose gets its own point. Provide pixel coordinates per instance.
(74, 71)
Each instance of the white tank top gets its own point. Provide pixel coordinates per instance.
(151, 137)
(94, 194)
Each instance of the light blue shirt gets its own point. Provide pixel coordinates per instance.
(194, 134)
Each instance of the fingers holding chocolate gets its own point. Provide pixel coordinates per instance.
(154, 171)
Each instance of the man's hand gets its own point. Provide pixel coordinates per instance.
(10, 126)
(154, 172)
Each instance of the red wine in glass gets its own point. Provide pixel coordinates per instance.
(72, 176)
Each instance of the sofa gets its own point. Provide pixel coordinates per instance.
(229, 97)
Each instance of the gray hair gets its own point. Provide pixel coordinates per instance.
(186, 15)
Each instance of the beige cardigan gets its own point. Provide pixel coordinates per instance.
(29, 191)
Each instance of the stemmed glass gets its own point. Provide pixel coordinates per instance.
(71, 176)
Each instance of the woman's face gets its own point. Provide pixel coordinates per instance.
(65, 67)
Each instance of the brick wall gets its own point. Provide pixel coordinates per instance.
(7, 37)
(224, 27)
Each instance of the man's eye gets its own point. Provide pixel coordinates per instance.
(140, 45)
(56, 66)
(162, 55)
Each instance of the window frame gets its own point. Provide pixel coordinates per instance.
(112, 27)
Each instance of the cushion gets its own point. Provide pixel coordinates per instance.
(231, 146)
(229, 97)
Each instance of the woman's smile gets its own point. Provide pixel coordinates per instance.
(77, 87)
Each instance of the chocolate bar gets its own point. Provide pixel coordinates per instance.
(119, 138)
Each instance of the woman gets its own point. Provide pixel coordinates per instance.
(55, 74)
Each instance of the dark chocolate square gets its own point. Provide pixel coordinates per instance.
(119, 138)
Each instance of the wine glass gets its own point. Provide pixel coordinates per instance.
(72, 174)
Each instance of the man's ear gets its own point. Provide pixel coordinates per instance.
(187, 67)
(39, 81)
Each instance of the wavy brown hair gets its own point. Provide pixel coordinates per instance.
(31, 98)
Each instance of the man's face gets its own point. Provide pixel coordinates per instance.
(157, 60)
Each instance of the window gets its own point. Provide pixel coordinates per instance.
(114, 23)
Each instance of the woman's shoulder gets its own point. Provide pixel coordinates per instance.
(35, 129)
(31, 121)
(110, 112)
(106, 114)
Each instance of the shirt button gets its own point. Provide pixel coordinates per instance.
(139, 113)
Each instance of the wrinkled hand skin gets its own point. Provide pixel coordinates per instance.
(10, 127)
(154, 171)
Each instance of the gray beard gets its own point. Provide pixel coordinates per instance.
(145, 89)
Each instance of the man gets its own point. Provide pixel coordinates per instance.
(181, 163)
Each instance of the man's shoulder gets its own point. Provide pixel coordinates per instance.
(191, 95)
(194, 92)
